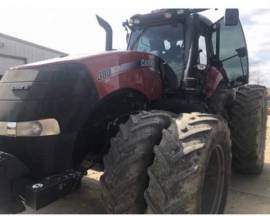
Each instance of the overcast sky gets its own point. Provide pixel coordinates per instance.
(70, 25)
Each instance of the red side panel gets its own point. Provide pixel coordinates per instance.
(120, 70)
(213, 78)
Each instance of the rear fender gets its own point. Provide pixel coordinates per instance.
(213, 78)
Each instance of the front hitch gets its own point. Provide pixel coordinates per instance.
(12, 171)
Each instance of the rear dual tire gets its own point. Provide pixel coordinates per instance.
(175, 177)
(248, 128)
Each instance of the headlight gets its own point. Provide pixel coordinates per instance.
(44, 127)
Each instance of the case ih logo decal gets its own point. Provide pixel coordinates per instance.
(148, 63)
(122, 68)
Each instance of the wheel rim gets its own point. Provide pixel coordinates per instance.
(213, 185)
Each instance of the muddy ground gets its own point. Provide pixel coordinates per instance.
(248, 194)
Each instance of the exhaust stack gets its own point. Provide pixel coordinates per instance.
(108, 29)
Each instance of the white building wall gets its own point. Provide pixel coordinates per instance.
(14, 51)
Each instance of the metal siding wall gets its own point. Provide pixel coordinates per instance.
(18, 49)
(6, 62)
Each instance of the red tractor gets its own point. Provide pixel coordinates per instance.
(162, 120)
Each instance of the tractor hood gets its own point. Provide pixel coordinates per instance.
(107, 70)
(60, 87)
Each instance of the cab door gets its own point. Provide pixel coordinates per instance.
(230, 49)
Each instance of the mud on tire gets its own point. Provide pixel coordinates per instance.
(248, 129)
(191, 169)
(125, 177)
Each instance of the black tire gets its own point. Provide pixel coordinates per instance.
(180, 180)
(125, 177)
(220, 101)
(248, 129)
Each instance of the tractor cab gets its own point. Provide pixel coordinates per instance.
(163, 34)
(190, 45)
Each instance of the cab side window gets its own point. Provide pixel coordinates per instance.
(202, 50)
(232, 52)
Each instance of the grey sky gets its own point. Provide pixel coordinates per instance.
(70, 25)
(256, 25)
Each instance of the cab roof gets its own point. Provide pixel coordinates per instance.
(164, 15)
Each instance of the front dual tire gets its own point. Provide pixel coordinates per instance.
(162, 163)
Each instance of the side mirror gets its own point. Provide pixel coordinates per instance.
(126, 26)
(241, 52)
(231, 17)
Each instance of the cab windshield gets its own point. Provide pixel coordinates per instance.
(165, 41)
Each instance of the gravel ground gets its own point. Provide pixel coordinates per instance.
(251, 194)
(248, 194)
